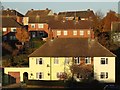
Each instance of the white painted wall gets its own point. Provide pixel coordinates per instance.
(110, 68)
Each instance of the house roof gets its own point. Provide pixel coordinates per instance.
(10, 22)
(71, 47)
(56, 24)
(82, 14)
(32, 13)
(13, 13)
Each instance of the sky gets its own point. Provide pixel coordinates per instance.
(23, 7)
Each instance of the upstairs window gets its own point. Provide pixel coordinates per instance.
(32, 25)
(40, 25)
(4, 29)
(104, 60)
(13, 29)
(88, 60)
(39, 61)
(56, 61)
(58, 33)
(67, 60)
(65, 33)
(104, 75)
(12, 38)
(88, 32)
(74, 32)
(81, 32)
(77, 60)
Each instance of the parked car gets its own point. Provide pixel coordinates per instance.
(112, 87)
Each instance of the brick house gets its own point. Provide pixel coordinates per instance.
(9, 28)
(13, 14)
(56, 56)
(68, 29)
(78, 15)
(37, 27)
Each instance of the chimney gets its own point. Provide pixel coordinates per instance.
(8, 9)
(32, 9)
(47, 9)
(88, 10)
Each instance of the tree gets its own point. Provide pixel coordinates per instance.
(22, 35)
(85, 71)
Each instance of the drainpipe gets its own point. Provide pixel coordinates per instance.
(50, 69)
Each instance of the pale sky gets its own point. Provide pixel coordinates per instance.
(23, 7)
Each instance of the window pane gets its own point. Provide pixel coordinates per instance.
(40, 25)
(13, 29)
(76, 60)
(74, 32)
(58, 33)
(102, 75)
(55, 60)
(66, 60)
(4, 29)
(106, 74)
(106, 60)
(81, 32)
(65, 32)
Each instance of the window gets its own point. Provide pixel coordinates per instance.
(40, 25)
(12, 38)
(58, 33)
(65, 32)
(56, 61)
(4, 29)
(67, 61)
(104, 75)
(13, 29)
(4, 37)
(39, 61)
(77, 60)
(88, 60)
(81, 32)
(104, 60)
(88, 32)
(33, 25)
(39, 75)
(74, 32)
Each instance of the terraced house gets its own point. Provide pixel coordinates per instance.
(53, 60)
(37, 27)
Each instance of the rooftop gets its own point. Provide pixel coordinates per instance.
(71, 47)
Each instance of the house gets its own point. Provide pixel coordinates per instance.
(13, 14)
(9, 28)
(37, 28)
(115, 32)
(78, 15)
(70, 29)
(53, 60)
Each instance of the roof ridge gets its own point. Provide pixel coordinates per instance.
(106, 49)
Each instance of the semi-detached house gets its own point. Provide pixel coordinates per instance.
(56, 56)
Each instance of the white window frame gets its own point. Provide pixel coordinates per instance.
(38, 75)
(65, 32)
(104, 61)
(40, 25)
(12, 29)
(58, 33)
(38, 60)
(88, 32)
(56, 60)
(103, 75)
(32, 25)
(86, 60)
(77, 60)
(75, 32)
(4, 29)
(67, 60)
(81, 32)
